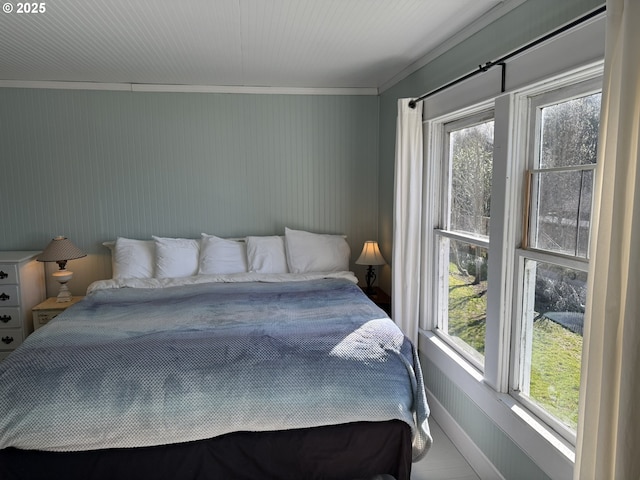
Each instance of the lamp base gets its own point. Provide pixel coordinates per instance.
(371, 277)
(63, 276)
(64, 295)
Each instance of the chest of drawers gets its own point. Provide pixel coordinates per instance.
(22, 287)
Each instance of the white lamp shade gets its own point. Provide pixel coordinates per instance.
(371, 254)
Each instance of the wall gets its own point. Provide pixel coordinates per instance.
(93, 165)
(526, 22)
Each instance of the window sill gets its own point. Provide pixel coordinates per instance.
(552, 453)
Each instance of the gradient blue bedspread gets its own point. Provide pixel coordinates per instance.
(133, 367)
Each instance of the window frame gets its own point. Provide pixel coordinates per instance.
(518, 339)
(512, 158)
(535, 103)
(479, 114)
(466, 121)
(531, 104)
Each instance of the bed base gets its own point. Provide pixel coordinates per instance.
(352, 451)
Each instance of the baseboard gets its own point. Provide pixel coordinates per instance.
(469, 450)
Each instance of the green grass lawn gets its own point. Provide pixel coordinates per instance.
(555, 370)
(556, 351)
(467, 310)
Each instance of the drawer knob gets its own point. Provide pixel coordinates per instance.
(4, 297)
(7, 340)
(5, 318)
(3, 275)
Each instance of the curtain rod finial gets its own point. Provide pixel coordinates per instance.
(412, 104)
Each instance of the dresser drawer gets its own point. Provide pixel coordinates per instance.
(8, 273)
(10, 338)
(9, 317)
(9, 296)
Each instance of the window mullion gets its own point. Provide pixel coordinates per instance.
(568, 168)
(575, 263)
(477, 241)
(505, 204)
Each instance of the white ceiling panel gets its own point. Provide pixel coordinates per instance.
(254, 43)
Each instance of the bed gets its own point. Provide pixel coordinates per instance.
(230, 375)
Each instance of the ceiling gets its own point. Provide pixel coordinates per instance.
(364, 44)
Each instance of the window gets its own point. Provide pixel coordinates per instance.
(553, 263)
(510, 244)
(463, 238)
(561, 180)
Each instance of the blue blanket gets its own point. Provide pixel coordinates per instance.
(136, 367)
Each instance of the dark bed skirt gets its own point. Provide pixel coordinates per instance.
(342, 452)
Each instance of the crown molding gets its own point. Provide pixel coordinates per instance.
(141, 87)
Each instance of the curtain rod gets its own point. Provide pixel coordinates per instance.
(501, 61)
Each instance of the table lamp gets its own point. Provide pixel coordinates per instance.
(60, 250)
(370, 256)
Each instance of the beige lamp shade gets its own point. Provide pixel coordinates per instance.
(60, 249)
(371, 254)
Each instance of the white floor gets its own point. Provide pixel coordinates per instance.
(443, 461)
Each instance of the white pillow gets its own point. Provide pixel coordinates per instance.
(133, 258)
(266, 255)
(218, 255)
(176, 257)
(313, 252)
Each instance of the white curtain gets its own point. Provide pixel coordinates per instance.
(608, 444)
(407, 215)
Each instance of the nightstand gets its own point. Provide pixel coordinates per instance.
(380, 298)
(50, 309)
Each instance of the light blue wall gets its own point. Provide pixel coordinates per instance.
(93, 165)
(530, 20)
